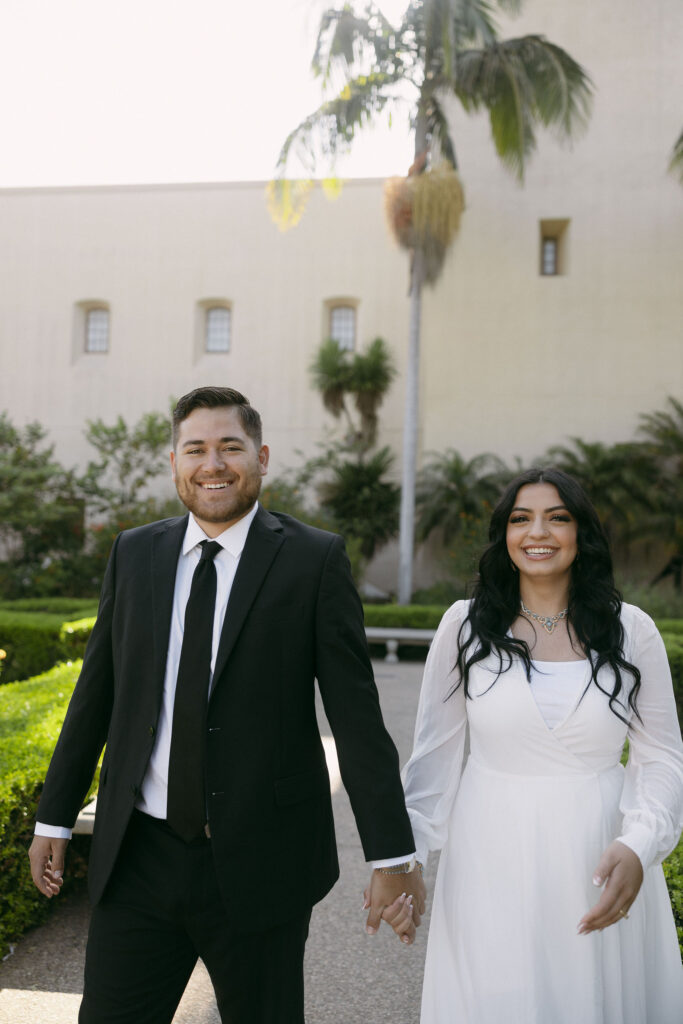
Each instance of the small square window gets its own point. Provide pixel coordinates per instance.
(554, 236)
(549, 256)
(97, 330)
(218, 323)
(343, 326)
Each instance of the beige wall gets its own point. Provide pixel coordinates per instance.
(512, 361)
(153, 254)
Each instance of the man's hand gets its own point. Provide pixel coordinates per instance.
(47, 863)
(399, 899)
(621, 872)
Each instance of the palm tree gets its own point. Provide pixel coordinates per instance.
(443, 50)
(676, 162)
(367, 376)
(619, 479)
(453, 491)
(663, 431)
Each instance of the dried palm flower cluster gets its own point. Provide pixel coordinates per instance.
(423, 211)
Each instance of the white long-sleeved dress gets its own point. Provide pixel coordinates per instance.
(522, 821)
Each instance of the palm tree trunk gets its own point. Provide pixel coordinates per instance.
(406, 536)
(406, 529)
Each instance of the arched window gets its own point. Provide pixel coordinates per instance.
(218, 324)
(97, 329)
(343, 326)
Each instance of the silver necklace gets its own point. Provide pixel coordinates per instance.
(547, 621)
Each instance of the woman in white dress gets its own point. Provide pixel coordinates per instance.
(550, 905)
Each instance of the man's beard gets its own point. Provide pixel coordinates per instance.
(236, 504)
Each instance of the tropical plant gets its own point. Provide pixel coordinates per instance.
(443, 50)
(619, 479)
(362, 502)
(453, 492)
(663, 433)
(676, 162)
(363, 376)
(41, 511)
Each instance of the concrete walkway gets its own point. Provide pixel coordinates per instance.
(351, 978)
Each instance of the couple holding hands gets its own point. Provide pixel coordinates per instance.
(214, 834)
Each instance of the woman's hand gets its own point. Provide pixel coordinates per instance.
(397, 899)
(621, 872)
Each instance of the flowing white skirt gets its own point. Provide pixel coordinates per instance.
(514, 880)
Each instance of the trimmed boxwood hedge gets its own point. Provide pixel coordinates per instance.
(31, 715)
(35, 641)
(66, 607)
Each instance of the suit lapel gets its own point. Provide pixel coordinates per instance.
(166, 545)
(262, 545)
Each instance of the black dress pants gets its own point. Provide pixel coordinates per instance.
(161, 911)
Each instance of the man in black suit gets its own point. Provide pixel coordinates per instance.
(214, 834)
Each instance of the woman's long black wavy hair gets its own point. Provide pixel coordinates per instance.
(594, 601)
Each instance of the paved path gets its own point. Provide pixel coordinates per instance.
(351, 978)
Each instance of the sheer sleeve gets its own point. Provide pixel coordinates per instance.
(432, 775)
(652, 799)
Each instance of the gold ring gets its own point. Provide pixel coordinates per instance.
(622, 913)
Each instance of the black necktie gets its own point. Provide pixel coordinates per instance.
(186, 812)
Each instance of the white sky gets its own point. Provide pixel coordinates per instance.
(132, 91)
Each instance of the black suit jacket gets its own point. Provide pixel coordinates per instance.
(293, 616)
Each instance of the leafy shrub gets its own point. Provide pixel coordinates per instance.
(36, 641)
(674, 650)
(659, 602)
(31, 715)
(407, 616)
(673, 872)
(67, 607)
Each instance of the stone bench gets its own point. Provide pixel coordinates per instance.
(393, 636)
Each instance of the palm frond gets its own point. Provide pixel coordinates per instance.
(347, 42)
(331, 375)
(676, 162)
(665, 428)
(439, 133)
(524, 83)
(331, 128)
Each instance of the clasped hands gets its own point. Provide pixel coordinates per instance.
(397, 899)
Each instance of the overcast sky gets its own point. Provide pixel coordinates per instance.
(132, 91)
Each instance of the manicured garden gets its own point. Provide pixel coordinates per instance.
(31, 712)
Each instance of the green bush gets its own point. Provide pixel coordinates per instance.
(661, 602)
(66, 607)
(408, 616)
(674, 650)
(31, 715)
(35, 641)
(673, 872)
(670, 626)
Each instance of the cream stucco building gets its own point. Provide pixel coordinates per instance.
(150, 277)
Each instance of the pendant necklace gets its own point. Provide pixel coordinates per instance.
(547, 621)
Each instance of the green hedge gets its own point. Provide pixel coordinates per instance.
(31, 715)
(35, 641)
(65, 607)
(407, 616)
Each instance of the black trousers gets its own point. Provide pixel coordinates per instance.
(161, 911)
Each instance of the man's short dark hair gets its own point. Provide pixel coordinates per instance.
(218, 398)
